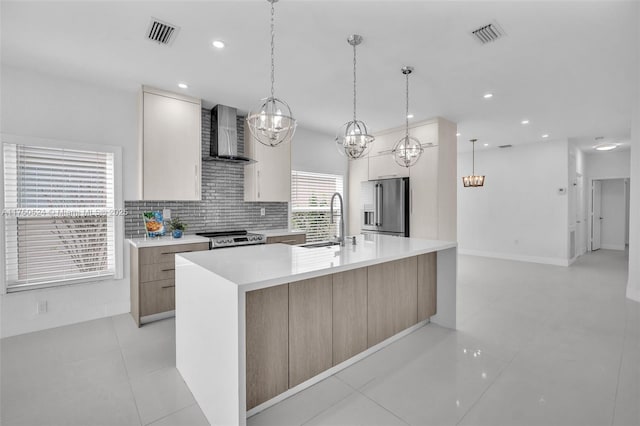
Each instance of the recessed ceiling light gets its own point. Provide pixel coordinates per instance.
(606, 147)
(410, 116)
(488, 95)
(545, 136)
(486, 144)
(458, 134)
(525, 122)
(218, 44)
(183, 85)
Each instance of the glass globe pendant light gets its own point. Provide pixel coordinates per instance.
(353, 138)
(273, 123)
(473, 181)
(407, 151)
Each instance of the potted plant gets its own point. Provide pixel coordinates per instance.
(177, 227)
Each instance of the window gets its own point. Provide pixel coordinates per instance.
(310, 203)
(58, 217)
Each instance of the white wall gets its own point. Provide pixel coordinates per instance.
(518, 214)
(633, 286)
(608, 164)
(50, 107)
(627, 203)
(613, 233)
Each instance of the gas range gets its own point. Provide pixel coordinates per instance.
(223, 239)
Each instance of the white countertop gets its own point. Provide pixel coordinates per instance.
(278, 232)
(167, 240)
(260, 266)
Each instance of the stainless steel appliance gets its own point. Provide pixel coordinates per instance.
(224, 136)
(385, 207)
(223, 239)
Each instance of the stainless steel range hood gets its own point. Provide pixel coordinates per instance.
(224, 136)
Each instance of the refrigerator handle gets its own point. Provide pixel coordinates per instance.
(379, 204)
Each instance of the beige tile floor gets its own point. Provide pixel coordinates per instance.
(536, 345)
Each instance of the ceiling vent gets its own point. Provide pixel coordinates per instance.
(488, 33)
(505, 146)
(162, 32)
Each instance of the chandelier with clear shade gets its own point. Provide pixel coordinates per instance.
(353, 138)
(273, 123)
(407, 151)
(473, 180)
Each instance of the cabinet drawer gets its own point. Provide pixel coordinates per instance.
(288, 239)
(165, 254)
(157, 296)
(157, 271)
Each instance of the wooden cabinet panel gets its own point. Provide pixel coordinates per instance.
(392, 298)
(310, 318)
(427, 285)
(165, 254)
(171, 146)
(267, 343)
(349, 314)
(288, 239)
(152, 274)
(157, 296)
(157, 271)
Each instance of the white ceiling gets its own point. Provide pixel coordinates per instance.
(568, 67)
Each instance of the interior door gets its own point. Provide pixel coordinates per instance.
(596, 215)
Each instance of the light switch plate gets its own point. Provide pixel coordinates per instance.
(263, 211)
(166, 214)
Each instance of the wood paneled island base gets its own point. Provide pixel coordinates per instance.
(249, 337)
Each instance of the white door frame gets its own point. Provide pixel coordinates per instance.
(590, 201)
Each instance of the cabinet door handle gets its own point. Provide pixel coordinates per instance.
(288, 241)
(258, 179)
(170, 269)
(411, 201)
(168, 286)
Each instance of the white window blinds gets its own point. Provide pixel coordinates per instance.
(58, 218)
(310, 202)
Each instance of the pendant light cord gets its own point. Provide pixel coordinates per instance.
(473, 159)
(407, 107)
(354, 82)
(273, 36)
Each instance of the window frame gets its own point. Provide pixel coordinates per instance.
(118, 221)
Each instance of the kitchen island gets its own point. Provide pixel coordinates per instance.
(257, 324)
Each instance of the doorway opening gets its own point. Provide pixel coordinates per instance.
(609, 214)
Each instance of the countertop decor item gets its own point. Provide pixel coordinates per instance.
(473, 180)
(353, 138)
(177, 227)
(407, 150)
(273, 123)
(153, 224)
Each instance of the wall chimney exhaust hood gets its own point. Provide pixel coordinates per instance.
(224, 136)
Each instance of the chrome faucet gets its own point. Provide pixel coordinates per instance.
(341, 237)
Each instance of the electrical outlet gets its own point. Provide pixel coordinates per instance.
(166, 214)
(263, 211)
(42, 307)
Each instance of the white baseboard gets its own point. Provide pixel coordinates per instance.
(613, 246)
(518, 257)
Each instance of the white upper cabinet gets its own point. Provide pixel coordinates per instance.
(170, 146)
(269, 178)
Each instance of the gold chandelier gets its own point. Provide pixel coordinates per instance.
(473, 180)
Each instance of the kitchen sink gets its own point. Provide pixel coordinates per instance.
(320, 244)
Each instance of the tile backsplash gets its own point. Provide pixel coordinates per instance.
(222, 206)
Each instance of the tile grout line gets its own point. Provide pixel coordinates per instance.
(488, 387)
(135, 402)
(615, 395)
(170, 414)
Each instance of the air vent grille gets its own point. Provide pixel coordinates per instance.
(505, 146)
(488, 33)
(161, 32)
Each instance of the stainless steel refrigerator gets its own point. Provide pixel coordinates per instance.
(385, 207)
